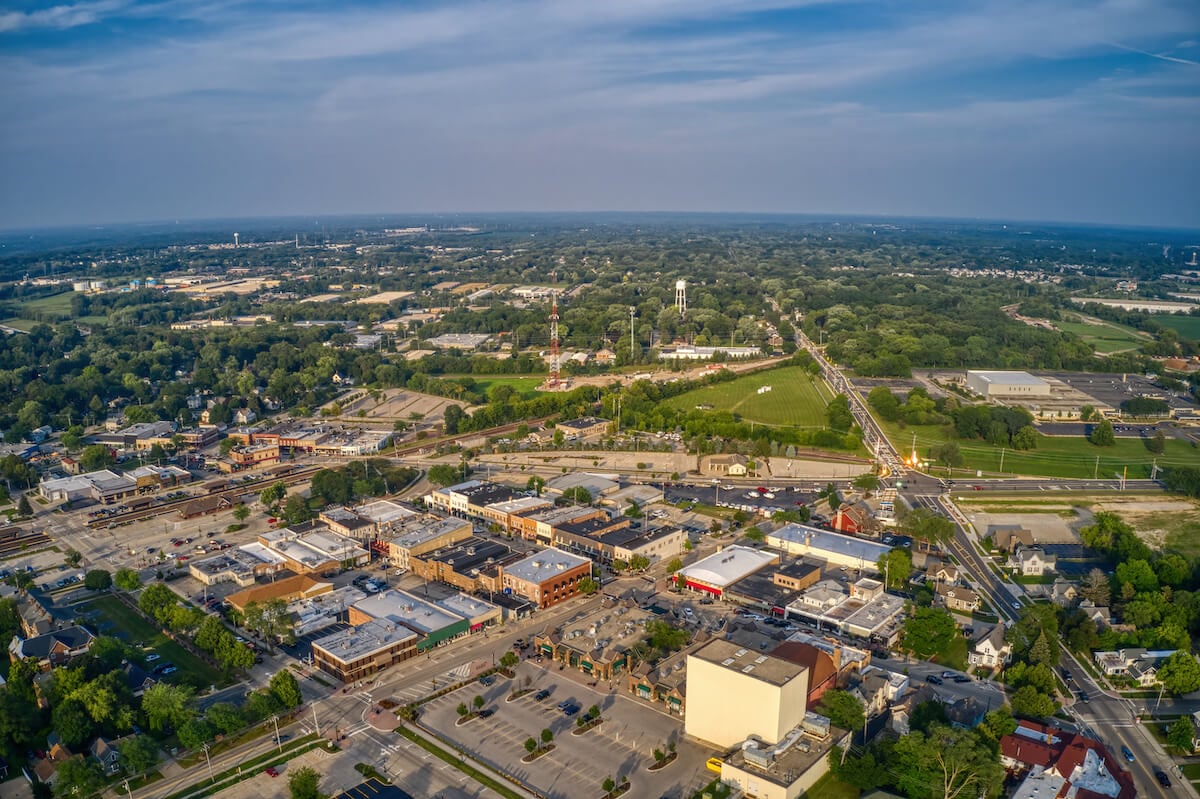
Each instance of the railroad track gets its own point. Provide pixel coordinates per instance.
(14, 541)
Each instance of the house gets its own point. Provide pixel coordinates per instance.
(730, 465)
(1031, 561)
(52, 649)
(822, 669)
(959, 598)
(1064, 593)
(966, 713)
(46, 769)
(136, 678)
(1138, 664)
(989, 649)
(943, 573)
(1006, 537)
(1053, 762)
(244, 416)
(878, 689)
(107, 755)
(855, 518)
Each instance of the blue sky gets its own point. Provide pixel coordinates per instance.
(1056, 110)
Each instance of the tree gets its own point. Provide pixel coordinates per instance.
(926, 525)
(947, 763)
(271, 496)
(509, 660)
(1158, 443)
(452, 417)
(226, 717)
(139, 753)
(127, 579)
(97, 456)
(167, 706)
(639, 563)
(98, 580)
(23, 507)
(271, 620)
(286, 689)
(547, 737)
(609, 784)
(674, 565)
(305, 783)
(1025, 438)
(1182, 733)
(195, 732)
(530, 744)
(1180, 673)
(1102, 434)
(896, 566)
(928, 631)
(535, 484)
(866, 483)
(296, 510)
(588, 586)
(444, 474)
(72, 722)
(1028, 702)
(1035, 622)
(462, 710)
(947, 454)
(926, 714)
(78, 777)
(478, 702)
(241, 512)
(1096, 588)
(578, 495)
(73, 558)
(843, 709)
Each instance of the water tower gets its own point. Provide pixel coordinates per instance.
(681, 297)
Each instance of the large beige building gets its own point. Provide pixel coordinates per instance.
(771, 695)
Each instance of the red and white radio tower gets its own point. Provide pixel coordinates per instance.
(553, 340)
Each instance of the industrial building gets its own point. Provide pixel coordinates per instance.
(1020, 385)
(713, 574)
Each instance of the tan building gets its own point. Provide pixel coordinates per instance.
(961, 599)
(415, 536)
(730, 465)
(358, 652)
(289, 589)
(771, 695)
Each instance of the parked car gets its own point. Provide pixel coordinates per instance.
(962, 678)
(153, 656)
(271, 771)
(169, 670)
(487, 712)
(488, 679)
(571, 710)
(934, 679)
(542, 694)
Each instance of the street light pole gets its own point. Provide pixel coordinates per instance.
(316, 721)
(209, 761)
(275, 721)
(128, 789)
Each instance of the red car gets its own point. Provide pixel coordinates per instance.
(271, 772)
(182, 558)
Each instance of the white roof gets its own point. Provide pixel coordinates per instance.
(727, 566)
(384, 511)
(539, 566)
(404, 608)
(818, 541)
(1008, 378)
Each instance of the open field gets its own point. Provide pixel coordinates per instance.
(1055, 456)
(114, 618)
(1104, 337)
(795, 399)
(525, 386)
(1186, 326)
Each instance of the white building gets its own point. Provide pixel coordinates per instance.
(842, 550)
(712, 575)
(989, 384)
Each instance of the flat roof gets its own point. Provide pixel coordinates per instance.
(518, 504)
(311, 541)
(468, 607)
(416, 530)
(540, 566)
(1007, 377)
(402, 607)
(728, 565)
(556, 516)
(818, 541)
(472, 553)
(752, 663)
(384, 511)
(358, 642)
(591, 483)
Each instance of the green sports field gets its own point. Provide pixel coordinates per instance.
(795, 399)
(525, 386)
(1055, 456)
(1186, 326)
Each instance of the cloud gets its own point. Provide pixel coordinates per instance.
(1160, 56)
(60, 17)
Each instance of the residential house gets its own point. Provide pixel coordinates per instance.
(52, 649)
(46, 769)
(942, 573)
(960, 599)
(1138, 664)
(1064, 593)
(107, 756)
(1052, 762)
(878, 689)
(1101, 615)
(1006, 537)
(989, 649)
(856, 518)
(1031, 561)
(965, 713)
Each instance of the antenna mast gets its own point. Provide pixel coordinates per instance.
(554, 365)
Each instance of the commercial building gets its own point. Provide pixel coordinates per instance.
(822, 670)
(250, 456)
(137, 436)
(547, 577)
(413, 536)
(462, 564)
(864, 611)
(713, 574)
(790, 767)
(242, 565)
(841, 550)
(666, 682)
(434, 625)
(597, 486)
(358, 652)
(289, 589)
(991, 385)
(585, 427)
(508, 512)
(104, 486)
(597, 644)
(479, 613)
(540, 525)
(771, 695)
(772, 590)
(312, 548)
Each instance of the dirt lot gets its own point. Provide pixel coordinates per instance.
(398, 404)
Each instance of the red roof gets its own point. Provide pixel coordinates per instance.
(1064, 757)
(1028, 751)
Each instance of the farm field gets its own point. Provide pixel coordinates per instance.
(1104, 337)
(795, 399)
(1186, 326)
(1055, 456)
(114, 618)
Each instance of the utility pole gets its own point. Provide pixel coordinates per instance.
(632, 335)
(1003, 450)
(275, 721)
(1096, 471)
(209, 761)
(128, 789)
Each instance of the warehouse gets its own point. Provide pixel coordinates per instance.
(840, 550)
(712, 575)
(990, 385)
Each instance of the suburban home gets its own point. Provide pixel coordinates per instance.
(1101, 615)
(856, 518)
(52, 649)
(943, 573)
(1064, 593)
(1006, 537)
(1053, 762)
(46, 769)
(959, 598)
(1031, 561)
(1138, 664)
(990, 650)
(108, 757)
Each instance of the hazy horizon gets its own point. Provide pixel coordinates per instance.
(1069, 111)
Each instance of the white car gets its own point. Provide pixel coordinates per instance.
(153, 656)
(687, 611)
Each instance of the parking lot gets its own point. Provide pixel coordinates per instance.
(578, 766)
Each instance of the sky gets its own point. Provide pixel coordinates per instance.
(1043, 110)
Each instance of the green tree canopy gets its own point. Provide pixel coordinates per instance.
(843, 709)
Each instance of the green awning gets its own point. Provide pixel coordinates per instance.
(587, 665)
(549, 650)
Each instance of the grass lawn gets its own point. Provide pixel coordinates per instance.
(795, 399)
(1186, 326)
(19, 324)
(1191, 771)
(114, 618)
(525, 386)
(1104, 337)
(1182, 531)
(830, 787)
(1055, 456)
(55, 305)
